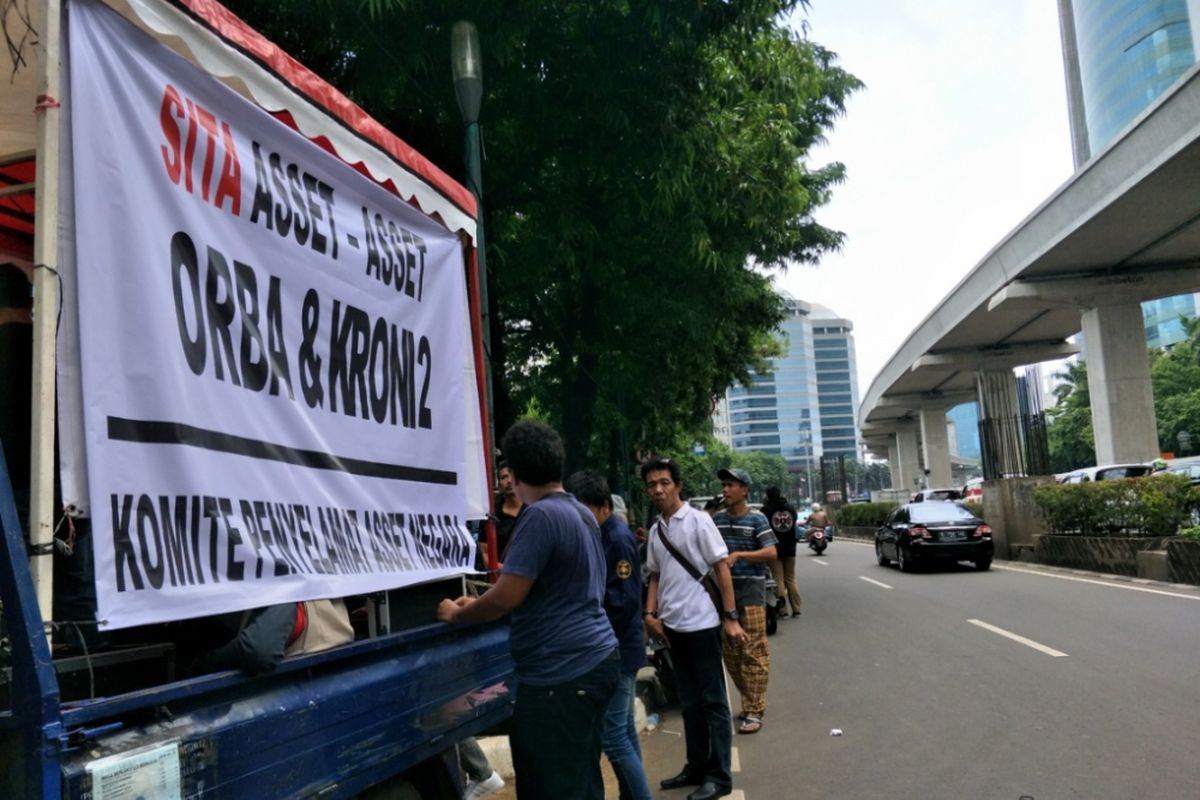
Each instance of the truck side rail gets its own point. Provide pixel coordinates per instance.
(33, 725)
(332, 723)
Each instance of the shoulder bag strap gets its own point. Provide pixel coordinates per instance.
(662, 533)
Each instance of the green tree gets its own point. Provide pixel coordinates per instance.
(640, 158)
(1069, 432)
(1175, 375)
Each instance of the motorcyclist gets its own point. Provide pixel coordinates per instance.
(819, 520)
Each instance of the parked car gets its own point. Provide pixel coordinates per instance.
(937, 494)
(1189, 471)
(972, 491)
(1108, 472)
(933, 530)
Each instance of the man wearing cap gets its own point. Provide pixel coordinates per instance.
(751, 545)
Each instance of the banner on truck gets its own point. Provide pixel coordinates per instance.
(271, 347)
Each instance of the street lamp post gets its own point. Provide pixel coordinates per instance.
(466, 65)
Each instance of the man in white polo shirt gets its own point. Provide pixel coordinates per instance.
(680, 611)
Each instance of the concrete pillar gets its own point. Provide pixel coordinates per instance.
(1118, 365)
(935, 443)
(894, 464)
(909, 461)
(999, 412)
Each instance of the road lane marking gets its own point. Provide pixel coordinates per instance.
(737, 794)
(822, 563)
(1109, 584)
(735, 763)
(1041, 648)
(872, 580)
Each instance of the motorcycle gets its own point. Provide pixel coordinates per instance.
(819, 539)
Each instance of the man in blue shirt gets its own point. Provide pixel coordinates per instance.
(564, 648)
(623, 604)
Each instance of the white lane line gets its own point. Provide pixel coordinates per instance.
(735, 763)
(1041, 648)
(1109, 584)
(737, 794)
(822, 563)
(872, 580)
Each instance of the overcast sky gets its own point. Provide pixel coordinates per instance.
(959, 134)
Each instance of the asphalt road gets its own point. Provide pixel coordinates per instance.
(935, 699)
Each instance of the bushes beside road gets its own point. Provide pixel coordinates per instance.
(862, 515)
(1153, 506)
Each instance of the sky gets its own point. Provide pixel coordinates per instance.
(960, 133)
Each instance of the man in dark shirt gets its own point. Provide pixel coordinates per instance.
(782, 517)
(508, 508)
(623, 604)
(562, 643)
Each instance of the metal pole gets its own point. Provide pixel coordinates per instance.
(475, 181)
(473, 149)
(45, 309)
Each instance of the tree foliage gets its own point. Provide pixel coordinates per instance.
(1069, 433)
(1175, 379)
(646, 163)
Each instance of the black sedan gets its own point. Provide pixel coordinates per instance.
(942, 530)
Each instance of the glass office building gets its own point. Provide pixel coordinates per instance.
(1119, 57)
(837, 382)
(805, 406)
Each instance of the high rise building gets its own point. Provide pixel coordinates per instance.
(837, 382)
(1119, 56)
(964, 441)
(806, 405)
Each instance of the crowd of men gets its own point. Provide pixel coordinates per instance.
(571, 581)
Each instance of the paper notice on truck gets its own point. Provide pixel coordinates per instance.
(140, 775)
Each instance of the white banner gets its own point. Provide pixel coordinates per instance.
(272, 351)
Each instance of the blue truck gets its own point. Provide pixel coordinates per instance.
(380, 714)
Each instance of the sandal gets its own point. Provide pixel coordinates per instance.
(750, 725)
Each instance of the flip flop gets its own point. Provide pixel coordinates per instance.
(750, 725)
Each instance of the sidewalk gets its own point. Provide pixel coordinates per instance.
(653, 743)
(662, 755)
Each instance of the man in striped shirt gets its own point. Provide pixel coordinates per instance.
(751, 545)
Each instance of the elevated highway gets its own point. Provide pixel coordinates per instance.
(1123, 229)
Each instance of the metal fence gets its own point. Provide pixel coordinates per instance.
(1014, 447)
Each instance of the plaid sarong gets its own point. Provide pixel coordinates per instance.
(749, 664)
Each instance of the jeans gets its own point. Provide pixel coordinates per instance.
(620, 741)
(700, 683)
(555, 734)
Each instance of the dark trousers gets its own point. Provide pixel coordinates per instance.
(555, 734)
(700, 682)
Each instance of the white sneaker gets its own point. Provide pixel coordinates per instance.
(476, 790)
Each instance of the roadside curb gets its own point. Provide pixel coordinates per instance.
(1084, 573)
